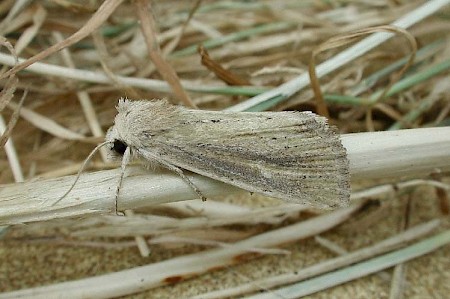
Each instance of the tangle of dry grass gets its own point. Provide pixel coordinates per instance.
(65, 64)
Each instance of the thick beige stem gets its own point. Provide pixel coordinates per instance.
(415, 152)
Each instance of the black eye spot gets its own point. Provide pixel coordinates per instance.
(119, 147)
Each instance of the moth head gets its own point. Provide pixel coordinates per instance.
(118, 135)
(133, 120)
(117, 146)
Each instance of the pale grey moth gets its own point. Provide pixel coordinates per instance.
(293, 156)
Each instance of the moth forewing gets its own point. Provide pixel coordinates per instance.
(288, 155)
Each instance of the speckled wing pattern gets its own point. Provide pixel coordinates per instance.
(288, 155)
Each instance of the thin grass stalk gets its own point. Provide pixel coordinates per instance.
(182, 267)
(286, 90)
(327, 266)
(359, 270)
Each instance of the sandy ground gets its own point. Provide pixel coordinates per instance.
(25, 265)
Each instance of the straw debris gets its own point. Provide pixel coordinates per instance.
(372, 67)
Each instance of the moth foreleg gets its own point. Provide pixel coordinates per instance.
(125, 160)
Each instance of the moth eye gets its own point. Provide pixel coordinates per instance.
(119, 147)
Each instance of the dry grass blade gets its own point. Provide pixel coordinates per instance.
(140, 241)
(12, 13)
(392, 188)
(342, 40)
(7, 92)
(30, 33)
(84, 198)
(85, 101)
(48, 125)
(103, 12)
(399, 275)
(110, 54)
(174, 43)
(371, 155)
(6, 96)
(286, 90)
(373, 265)
(330, 265)
(12, 121)
(10, 86)
(142, 225)
(182, 267)
(154, 51)
(12, 156)
(223, 74)
(103, 55)
(100, 77)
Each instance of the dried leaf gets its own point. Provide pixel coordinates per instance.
(222, 73)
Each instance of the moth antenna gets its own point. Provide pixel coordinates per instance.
(125, 160)
(83, 166)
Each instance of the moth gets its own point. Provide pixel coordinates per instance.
(293, 156)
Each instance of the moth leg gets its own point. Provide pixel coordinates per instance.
(185, 178)
(179, 171)
(125, 160)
